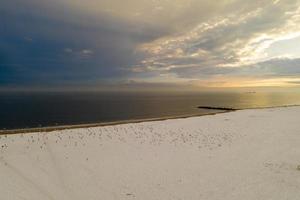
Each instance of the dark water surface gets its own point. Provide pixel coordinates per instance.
(29, 110)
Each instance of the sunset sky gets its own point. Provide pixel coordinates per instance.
(149, 43)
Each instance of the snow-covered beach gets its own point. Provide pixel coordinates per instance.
(247, 154)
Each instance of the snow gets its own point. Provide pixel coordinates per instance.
(247, 154)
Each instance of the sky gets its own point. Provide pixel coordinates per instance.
(149, 43)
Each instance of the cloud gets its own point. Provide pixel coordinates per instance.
(281, 67)
(68, 50)
(87, 51)
(71, 41)
(28, 39)
(237, 39)
(64, 43)
(294, 82)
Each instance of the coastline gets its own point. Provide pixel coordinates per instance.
(247, 154)
(101, 124)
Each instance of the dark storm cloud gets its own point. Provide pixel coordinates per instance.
(39, 47)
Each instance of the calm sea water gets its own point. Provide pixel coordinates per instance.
(28, 110)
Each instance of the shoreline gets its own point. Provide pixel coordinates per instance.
(120, 122)
(248, 154)
(100, 124)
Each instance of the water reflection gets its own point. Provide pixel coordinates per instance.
(22, 110)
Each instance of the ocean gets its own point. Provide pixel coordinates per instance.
(20, 110)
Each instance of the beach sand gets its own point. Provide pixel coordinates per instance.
(246, 154)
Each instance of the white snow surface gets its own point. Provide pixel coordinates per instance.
(247, 154)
